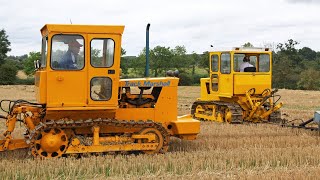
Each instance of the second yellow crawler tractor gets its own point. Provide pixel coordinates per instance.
(239, 88)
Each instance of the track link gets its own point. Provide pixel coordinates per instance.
(71, 124)
(235, 109)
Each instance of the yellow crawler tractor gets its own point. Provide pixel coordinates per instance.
(239, 88)
(84, 107)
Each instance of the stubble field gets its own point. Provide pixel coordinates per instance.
(222, 151)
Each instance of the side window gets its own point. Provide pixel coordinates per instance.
(101, 88)
(237, 61)
(67, 52)
(225, 63)
(214, 63)
(242, 61)
(44, 51)
(253, 60)
(264, 63)
(102, 52)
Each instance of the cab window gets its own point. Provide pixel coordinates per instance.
(242, 60)
(214, 63)
(225, 63)
(102, 52)
(67, 52)
(44, 51)
(264, 63)
(101, 88)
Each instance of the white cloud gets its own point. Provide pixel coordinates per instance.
(303, 1)
(195, 24)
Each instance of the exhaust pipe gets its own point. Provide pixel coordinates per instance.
(146, 74)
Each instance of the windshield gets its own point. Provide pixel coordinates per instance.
(246, 62)
(67, 52)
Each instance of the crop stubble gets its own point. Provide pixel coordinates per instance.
(221, 150)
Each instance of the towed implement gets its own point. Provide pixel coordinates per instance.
(84, 107)
(239, 88)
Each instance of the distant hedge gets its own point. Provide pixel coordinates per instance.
(28, 81)
(8, 74)
(187, 79)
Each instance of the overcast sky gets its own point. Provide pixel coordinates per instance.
(196, 24)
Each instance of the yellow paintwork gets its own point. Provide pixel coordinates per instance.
(237, 82)
(65, 94)
(14, 144)
(184, 127)
(233, 87)
(111, 148)
(70, 88)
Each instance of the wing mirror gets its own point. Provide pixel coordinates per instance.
(37, 64)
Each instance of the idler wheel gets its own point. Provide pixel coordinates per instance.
(51, 142)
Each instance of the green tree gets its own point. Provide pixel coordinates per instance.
(138, 64)
(285, 72)
(247, 44)
(194, 62)
(4, 46)
(17, 61)
(288, 46)
(307, 54)
(204, 61)
(8, 74)
(287, 65)
(310, 80)
(29, 62)
(179, 59)
(160, 59)
(124, 62)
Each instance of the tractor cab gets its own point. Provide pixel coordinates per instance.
(80, 66)
(235, 72)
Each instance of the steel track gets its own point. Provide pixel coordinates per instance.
(68, 124)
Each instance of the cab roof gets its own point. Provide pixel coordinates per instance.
(90, 29)
(245, 50)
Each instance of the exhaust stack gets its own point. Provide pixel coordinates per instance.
(146, 74)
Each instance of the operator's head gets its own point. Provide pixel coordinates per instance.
(246, 59)
(74, 46)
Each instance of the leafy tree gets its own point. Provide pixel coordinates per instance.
(160, 59)
(124, 62)
(8, 74)
(310, 80)
(4, 46)
(13, 63)
(138, 65)
(307, 54)
(248, 44)
(204, 61)
(179, 58)
(29, 63)
(195, 61)
(288, 47)
(17, 61)
(285, 73)
(287, 65)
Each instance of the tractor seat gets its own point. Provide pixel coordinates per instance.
(250, 69)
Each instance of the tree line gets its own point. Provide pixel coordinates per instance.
(293, 68)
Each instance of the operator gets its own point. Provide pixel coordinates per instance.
(69, 59)
(246, 63)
